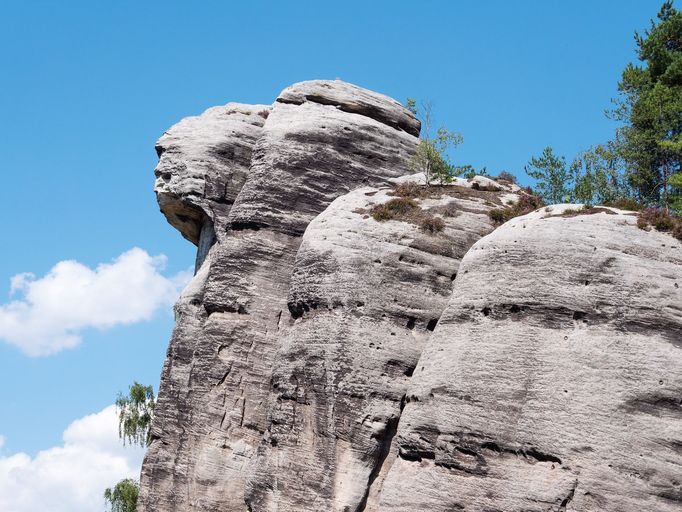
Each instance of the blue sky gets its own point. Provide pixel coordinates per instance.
(87, 88)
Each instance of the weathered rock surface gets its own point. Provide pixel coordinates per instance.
(365, 295)
(203, 163)
(552, 381)
(211, 412)
(323, 360)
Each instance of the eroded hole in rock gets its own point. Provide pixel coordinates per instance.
(243, 225)
(579, 315)
(486, 311)
(491, 446)
(432, 324)
(410, 323)
(240, 309)
(297, 309)
(542, 457)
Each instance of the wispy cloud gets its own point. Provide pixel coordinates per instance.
(70, 477)
(53, 310)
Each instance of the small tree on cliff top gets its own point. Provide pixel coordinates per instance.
(552, 174)
(431, 155)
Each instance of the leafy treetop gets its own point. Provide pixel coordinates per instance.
(135, 412)
(650, 105)
(123, 497)
(431, 156)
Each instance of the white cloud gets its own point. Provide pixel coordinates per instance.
(71, 477)
(54, 309)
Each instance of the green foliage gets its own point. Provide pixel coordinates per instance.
(596, 176)
(552, 175)
(651, 108)
(625, 203)
(675, 202)
(431, 156)
(135, 412)
(123, 497)
(411, 105)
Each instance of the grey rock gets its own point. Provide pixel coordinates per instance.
(203, 163)
(552, 381)
(211, 413)
(312, 152)
(322, 360)
(366, 296)
(351, 98)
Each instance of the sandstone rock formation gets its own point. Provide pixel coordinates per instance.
(323, 360)
(553, 379)
(211, 412)
(366, 295)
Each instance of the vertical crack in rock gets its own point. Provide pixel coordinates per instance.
(385, 449)
(569, 497)
(207, 238)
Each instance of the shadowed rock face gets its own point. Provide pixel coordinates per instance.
(322, 360)
(552, 381)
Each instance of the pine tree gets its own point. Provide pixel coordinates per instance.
(552, 175)
(651, 107)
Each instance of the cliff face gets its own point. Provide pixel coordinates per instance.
(323, 360)
(553, 379)
(364, 296)
(318, 141)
